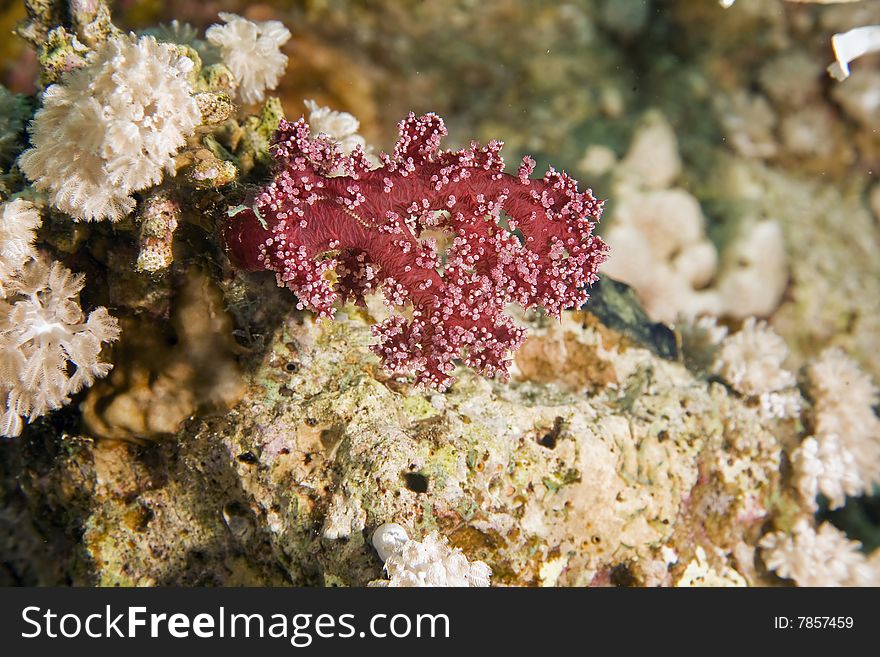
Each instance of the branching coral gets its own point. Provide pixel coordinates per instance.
(825, 466)
(823, 557)
(430, 562)
(49, 350)
(843, 456)
(330, 237)
(112, 127)
(252, 51)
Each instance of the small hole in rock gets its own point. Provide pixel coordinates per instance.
(550, 438)
(417, 483)
(248, 457)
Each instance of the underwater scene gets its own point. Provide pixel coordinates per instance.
(506, 293)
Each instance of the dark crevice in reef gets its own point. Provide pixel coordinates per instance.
(615, 305)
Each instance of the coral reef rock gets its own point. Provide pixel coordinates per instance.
(649, 476)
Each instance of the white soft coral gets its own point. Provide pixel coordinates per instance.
(252, 51)
(49, 350)
(824, 465)
(112, 127)
(18, 221)
(823, 557)
(430, 562)
(843, 456)
(752, 362)
(342, 128)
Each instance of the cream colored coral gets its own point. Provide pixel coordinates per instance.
(659, 242)
(751, 360)
(18, 221)
(843, 456)
(754, 272)
(658, 245)
(341, 127)
(430, 562)
(823, 557)
(252, 51)
(49, 349)
(112, 127)
(825, 467)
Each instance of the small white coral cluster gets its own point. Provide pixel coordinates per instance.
(823, 557)
(752, 362)
(430, 562)
(342, 128)
(252, 51)
(112, 127)
(49, 350)
(840, 459)
(843, 456)
(659, 244)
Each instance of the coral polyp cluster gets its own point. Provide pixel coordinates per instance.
(251, 50)
(112, 128)
(49, 349)
(331, 238)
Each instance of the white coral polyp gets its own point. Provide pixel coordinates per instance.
(49, 350)
(823, 557)
(112, 128)
(751, 360)
(18, 221)
(342, 128)
(252, 51)
(828, 467)
(430, 562)
(847, 430)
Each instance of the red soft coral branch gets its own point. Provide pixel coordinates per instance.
(329, 236)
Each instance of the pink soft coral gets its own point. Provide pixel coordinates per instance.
(328, 237)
